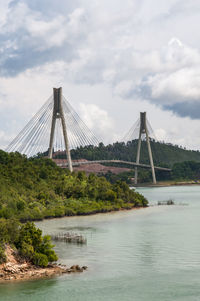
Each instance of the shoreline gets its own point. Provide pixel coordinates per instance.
(163, 184)
(25, 272)
(30, 272)
(86, 214)
(17, 269)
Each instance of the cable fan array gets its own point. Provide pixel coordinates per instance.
(133, 133)
(34, 138)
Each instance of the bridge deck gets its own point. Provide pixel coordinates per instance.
(114, 161)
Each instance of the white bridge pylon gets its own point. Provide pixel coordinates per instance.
(58, 113)
(141, 129)
(144, 130)
(56, 127)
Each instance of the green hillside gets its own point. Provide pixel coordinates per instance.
(181, 171)
(37, 188)
(163, 154)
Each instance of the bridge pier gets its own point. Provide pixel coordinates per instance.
(144, 130)
(59, 114)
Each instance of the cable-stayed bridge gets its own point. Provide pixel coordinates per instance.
(132, 164)
(57, 128)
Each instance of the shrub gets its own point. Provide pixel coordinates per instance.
(40, 259)
(2, 254)
(33, 246)
(27, 250)
(21, 204)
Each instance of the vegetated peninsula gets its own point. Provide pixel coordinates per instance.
(36, 188)
(33, 189)
(25, 254)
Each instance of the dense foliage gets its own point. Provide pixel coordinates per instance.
(183, 171)
(188, 170)
(27, 240)
(163, 154)
(36, 188)
(184, 163)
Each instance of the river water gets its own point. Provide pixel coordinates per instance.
(150, 254)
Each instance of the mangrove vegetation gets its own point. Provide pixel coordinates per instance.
(36, 188)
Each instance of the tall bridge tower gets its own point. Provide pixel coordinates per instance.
(58, 113)
(53, 131)
(144, 130)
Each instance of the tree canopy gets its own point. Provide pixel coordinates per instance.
(164, 154)
(36, 188)
(27, 240)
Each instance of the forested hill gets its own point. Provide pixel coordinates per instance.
(36, 188)
(163, 154)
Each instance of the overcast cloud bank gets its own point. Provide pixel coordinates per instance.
(143, 51)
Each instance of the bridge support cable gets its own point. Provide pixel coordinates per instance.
(20, 142)
(53, 131)
(83, 136)
(39, 148)
(133, 132)
(76, 137)
(31, 141)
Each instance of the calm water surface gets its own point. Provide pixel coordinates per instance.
(150, 254)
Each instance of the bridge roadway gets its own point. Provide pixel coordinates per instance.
(114, 161)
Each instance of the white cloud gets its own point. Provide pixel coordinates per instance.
(124, 88)
(5, 139)
(51, 33)
(177, 86)
(4, 4)
(25, 93)
(161, 134)
(98, 121)
(142, 51)
(39, 32)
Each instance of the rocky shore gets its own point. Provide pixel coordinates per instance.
(17, 269)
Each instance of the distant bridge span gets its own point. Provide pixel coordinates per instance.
(74, 164)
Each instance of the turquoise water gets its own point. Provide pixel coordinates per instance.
(148, 254)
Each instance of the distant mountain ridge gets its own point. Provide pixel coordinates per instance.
(164, 154)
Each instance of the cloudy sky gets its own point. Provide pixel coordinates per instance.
(113, 59)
